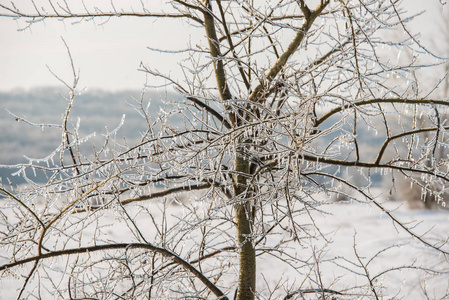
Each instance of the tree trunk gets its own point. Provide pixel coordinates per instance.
(247, 255)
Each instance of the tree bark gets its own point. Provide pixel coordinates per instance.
(243, 216)
(247, 254)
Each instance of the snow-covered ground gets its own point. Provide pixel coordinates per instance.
(365, 229)
(350, 228)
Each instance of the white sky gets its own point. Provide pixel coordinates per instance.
(109, 55)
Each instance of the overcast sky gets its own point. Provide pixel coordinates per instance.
(109, 55)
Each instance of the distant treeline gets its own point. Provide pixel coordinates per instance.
(96, 111)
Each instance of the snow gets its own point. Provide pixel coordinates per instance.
(372, 231)
(349, 228)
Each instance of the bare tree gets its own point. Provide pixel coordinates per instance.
(270, 125)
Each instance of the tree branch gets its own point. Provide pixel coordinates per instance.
(16, 13)
(215, 52)
(388, 213)
(391, 138)
(257, 94)
(380, 101)
(184, 188)
(347, 163)
(122, 246)
(211, 111)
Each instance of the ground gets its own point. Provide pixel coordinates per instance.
(348, 226)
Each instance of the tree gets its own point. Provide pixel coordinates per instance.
(277, 105)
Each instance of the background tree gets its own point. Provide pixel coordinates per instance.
(277, 102)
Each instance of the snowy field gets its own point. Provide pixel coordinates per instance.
(349, 228)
